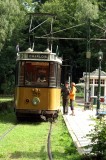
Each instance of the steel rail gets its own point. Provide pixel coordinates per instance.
(8, 131)
(49, 143)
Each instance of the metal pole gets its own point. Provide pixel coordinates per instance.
(89, 58)
(89, 79)
(71, 67)
(69, 80)
(99, 89)
(51, 34)
(86, 83)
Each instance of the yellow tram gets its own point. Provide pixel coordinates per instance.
(37, 84)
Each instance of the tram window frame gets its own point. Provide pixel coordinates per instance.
(53, 74)
(20, 78)
(58, 75)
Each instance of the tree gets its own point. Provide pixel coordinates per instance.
(13, 19)
(86, 9)
(9, 11)
(71, 22)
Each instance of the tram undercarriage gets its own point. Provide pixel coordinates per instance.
(43, 114)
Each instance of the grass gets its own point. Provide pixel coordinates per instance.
(29, 140)
(7, 120)
(26, 141)
(63, 147)
(6, 99)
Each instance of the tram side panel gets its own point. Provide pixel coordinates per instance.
(49, 100)
(54, 99)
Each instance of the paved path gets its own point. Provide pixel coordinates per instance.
(80, 125)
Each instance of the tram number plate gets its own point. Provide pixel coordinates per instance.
(38, 56)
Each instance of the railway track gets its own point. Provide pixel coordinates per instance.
(49, 141)
(7, 132)
(49, 152)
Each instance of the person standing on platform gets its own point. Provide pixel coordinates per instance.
(65, 96)
(72, 97)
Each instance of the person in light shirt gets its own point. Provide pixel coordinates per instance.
(72, 97)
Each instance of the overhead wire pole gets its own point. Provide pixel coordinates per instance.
(88, 56)
(30, 30)
(51, 34)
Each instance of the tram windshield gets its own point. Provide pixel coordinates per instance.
(38, 74)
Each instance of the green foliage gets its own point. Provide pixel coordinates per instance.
(80, 94)
(98, 140)
(80, 91)
(7, 88)
(73, 15)
(13, 19)
(69, 15)
(86, 9)
(9, 11)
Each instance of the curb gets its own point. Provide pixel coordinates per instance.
(75, 140)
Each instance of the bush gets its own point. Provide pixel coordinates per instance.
(98, 140)
(80, 92)
(8, 105)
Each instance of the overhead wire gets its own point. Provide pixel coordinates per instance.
(98, 26)
(92, 39)
(44, 32)
(65, 29)
(39, 25)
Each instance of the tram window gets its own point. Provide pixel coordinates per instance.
(36, 74)
(53, 72)
(28, 73)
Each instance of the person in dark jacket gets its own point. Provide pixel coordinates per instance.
(65, 96)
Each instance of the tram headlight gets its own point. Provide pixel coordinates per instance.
(35, 101)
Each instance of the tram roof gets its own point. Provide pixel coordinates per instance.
(47, 55)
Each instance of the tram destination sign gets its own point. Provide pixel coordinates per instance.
(38, 56)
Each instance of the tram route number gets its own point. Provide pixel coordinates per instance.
(38, 56)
